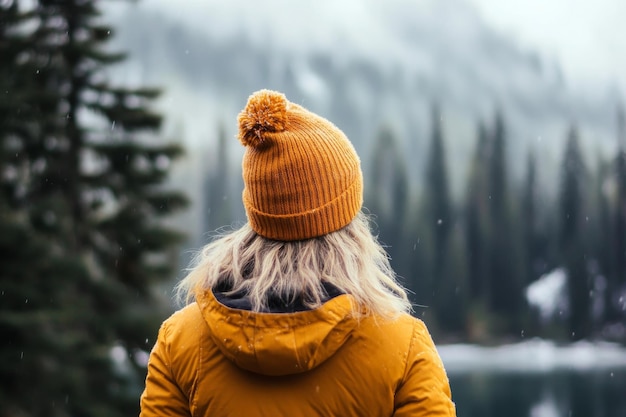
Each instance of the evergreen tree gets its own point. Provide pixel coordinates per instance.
(437, 199)
(388, 200)
(506, 267)
(572, 237)
(601, 245)
(21, 101)
(82, 187)
(218, 210)
(445, 285)
(534, 230)
(476, 216)
(617, 278)
(476, 235)
(529, 204)
(530, 232)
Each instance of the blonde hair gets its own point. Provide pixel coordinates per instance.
(351, 259)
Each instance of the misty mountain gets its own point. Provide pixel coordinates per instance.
(363, 65)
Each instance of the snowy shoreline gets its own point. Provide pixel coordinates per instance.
(533, 356)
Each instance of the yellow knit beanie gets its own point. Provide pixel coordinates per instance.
(302, 176)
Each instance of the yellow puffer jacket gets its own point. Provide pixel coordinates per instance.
(214, 360)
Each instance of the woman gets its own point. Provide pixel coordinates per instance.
(298, 313)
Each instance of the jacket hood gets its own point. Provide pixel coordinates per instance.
(278, 343)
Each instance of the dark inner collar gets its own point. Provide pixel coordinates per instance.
(276, 303)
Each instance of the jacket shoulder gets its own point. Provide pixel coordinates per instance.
(391, 340)
(180, 321)
(401, 329)
(182, 333)
(182, 329)
(425, 388)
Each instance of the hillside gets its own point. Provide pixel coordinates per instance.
(362, 66)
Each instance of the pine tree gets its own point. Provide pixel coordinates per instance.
(476, 215)
(475, 212)
(529, 204)
(572, 237)
(445, 281)
(388, 200)
(617, 279)
(600, 236)
(20, 99)
(218, 210)
(82, 187)
(505, 264)
(437, 198)
(499, 263)
(536, 251)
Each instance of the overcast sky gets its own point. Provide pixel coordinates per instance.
(587, 36)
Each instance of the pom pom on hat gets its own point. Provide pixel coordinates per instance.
(266, 111)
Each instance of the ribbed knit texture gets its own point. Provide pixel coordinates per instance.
(302, 176)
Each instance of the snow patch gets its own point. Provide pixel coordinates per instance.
(547, 294)
(533, 356)
(547, 407)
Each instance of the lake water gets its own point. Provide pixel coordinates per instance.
(590, 393)
(538, 379)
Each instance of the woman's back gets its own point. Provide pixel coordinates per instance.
(224, 361)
